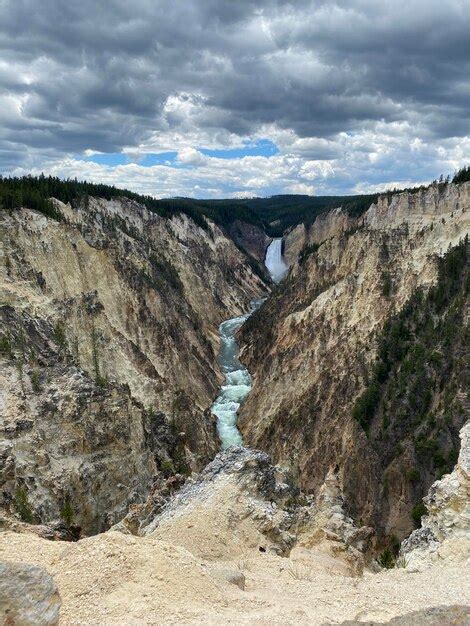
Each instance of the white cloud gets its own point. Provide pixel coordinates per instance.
(380, 157)
(191, 156)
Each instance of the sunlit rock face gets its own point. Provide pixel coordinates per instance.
(311, 349)
(445, 529)
(240, 502)
(109, 329)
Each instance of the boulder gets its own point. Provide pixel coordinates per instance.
(28, 596)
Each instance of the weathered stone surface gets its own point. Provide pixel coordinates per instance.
(236, 497)
(326, 523)
(310, 348)
(54, 531)
(28, 596)
(435, 616)
(109, 321)
(445, 530)
(251, 238)
(228, 575)
(247, 504)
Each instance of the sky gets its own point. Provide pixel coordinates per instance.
(236, 98)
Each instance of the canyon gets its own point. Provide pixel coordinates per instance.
(232, 443)
(108, 367)
(311, 349)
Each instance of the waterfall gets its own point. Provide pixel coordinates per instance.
(274, 260)
(237, 378)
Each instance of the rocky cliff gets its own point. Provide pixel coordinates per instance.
(445, 530)
(237, 544)
(315, 346)
(108, 343)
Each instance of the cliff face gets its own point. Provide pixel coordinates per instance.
(108, 353)
(251, 238)
(312, 347)
(445, 529)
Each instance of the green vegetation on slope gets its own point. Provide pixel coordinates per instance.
(35, 192)
(273, 214)
(415, 393)
(281, 212)
(462, 176)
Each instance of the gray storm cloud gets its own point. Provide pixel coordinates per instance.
(78, 76)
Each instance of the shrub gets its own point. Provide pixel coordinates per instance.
(417, 513)
(5, 346)
(413, 475)
(66, 512)
(387, 285)
(166, 466)
(100, 380)
(309, 249)
(35, 383)
(386, 559)
(22, 506)
(59, 334)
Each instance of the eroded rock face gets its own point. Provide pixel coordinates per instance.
(241, 503)
(251, 238)
(28, 596)
(294, 241)
(326, 524)
(445, 530)
(70, 448)
(311, 347)
(108, 330)
(236, 498)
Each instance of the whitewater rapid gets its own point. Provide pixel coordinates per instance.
(274, 260)
(237, 383)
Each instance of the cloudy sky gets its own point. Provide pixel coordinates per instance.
(212, 98)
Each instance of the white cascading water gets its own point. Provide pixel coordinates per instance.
(274, 260)
(237, 381)
(237, 378)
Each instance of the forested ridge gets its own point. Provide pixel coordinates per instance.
(273, 214)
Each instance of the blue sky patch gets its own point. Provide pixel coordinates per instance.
(264, 148)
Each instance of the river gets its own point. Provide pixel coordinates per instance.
(237, 384)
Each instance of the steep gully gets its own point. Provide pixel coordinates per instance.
(237, 378)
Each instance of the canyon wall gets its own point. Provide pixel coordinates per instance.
(313, 346)
(108, 344)
(444, 534)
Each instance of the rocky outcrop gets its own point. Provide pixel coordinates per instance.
(71, 448)
(250, 238)
(312, 346)
(28, 596)
(434, 616)
(108, 343)
(235, 498)
(247, 504)
(324, 524)
(121, 578)
(294, 241)
(445, 529)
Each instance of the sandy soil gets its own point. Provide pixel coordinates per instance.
(119, 579)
